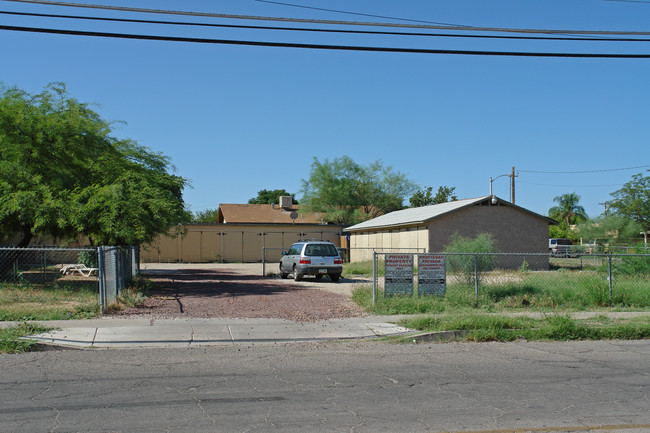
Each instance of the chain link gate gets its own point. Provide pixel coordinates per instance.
(117, 265)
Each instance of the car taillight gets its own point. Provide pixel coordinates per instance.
(305, 261)
(338, 261)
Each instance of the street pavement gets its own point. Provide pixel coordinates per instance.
(346, 386)
(159, 333)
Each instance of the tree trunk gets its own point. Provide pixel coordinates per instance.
(27, 237)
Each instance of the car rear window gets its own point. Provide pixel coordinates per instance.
(323, 250)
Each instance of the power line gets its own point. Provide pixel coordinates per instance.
(571, 186)
(302, 29)
(583, 171)
(334, 22)
(320, 46)
(354, 13)
(628, 1)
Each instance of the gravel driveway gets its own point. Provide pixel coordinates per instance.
(208, 290)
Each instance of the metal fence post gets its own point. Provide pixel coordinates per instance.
(136, 258)
(476, 277)
(119, 271)
(102, 279)
(263, 261)
(610, 280)
(374, 277)
(44, 267)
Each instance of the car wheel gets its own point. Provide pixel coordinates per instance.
(335, 277)
(296, 275)
(283, 274)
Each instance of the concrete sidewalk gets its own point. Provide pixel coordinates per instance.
(146, 333)
(142, 333)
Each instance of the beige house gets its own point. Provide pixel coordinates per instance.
(245, 233)
(429, 229)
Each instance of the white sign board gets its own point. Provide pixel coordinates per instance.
(398, 277)
(432, 275)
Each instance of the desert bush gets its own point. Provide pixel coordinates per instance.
(636, 264)
(471, 254)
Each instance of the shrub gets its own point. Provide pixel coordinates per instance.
(133, 295)
(88, 258)
(466, 262)
(635, 265)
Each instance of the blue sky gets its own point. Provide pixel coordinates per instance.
(238, 119)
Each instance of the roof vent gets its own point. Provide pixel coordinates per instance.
(286, 201)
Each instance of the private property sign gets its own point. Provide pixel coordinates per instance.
(431, 274)
(398, 275)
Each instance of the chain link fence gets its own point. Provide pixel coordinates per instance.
(589, 249)
(47, 264)
(106, 269)
(581, 279)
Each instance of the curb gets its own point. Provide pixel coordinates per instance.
(436, 337)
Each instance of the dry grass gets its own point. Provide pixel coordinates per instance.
(55, 301)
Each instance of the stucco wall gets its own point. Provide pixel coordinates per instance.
(232, 242)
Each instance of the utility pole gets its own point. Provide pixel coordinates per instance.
(606, 204)
(512, 177)
(512, 185)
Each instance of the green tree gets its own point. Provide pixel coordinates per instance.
(267, 196)
(568, 209)
(207, 216)
(63, 174)
(348, 193)
(562, 230)
(612, 229)
(423, 197)
(633, 201)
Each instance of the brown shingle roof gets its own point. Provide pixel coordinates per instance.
(264, 214)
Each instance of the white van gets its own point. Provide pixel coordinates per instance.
(560, 246)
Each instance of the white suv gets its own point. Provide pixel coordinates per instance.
(311, 258)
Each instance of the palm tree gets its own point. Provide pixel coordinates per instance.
(568, 208)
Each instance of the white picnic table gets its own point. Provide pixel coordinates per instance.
(79, 268)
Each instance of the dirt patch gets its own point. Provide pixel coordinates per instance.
(240, 291)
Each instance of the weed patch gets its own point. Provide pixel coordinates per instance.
(133, 295)
(10, 338)
(553, 327)
(362, 268)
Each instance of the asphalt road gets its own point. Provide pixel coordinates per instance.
(360, 386)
